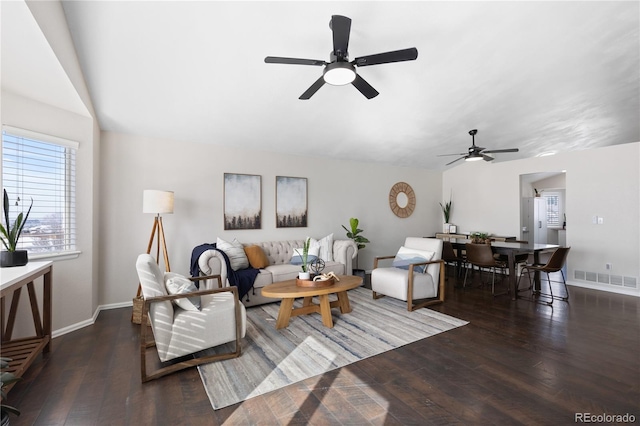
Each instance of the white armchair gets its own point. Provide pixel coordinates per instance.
(418, 274)
(179, 332)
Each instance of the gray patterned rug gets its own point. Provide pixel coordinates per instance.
(272, 358)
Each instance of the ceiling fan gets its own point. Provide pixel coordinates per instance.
(339, 71)
(476, 152)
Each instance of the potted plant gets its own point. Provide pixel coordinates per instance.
(480, 238)
(10, 234)
(6, 378)
(354, 234)
(446, 211)
(305, 274)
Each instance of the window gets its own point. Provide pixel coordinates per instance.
(553, 209)
(42, 168)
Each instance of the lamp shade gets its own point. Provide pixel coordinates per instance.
(156, 202)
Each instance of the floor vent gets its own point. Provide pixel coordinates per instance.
(579, 275)
(630, 282)
(591, 276)
(603, 278)
(616, 279)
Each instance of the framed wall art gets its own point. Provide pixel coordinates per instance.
(242, 201)
(291, 202)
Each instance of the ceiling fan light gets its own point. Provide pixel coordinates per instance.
(473, 158)
(339, 73)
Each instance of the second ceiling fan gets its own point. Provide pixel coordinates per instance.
(339, 71)
(476, 152)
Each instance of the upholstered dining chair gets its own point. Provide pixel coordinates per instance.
(417, 274)
(554, 264)
(182, 330)
(481, 255)
(450, 257)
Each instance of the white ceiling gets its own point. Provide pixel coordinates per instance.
(540, 76)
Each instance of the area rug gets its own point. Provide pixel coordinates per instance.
(272, 358)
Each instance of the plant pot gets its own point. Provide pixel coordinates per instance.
(445, 227)
(306, 276)
(13, 258)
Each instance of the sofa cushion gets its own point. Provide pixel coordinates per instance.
(235, 252)
(283, 272)
(257, 258)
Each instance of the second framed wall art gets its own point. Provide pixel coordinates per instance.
(291, 202)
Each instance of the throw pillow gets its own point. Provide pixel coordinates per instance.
(407, 256)
(235, 252)
(326, 247)
(177, 284)
(312, 255)
(256, 256)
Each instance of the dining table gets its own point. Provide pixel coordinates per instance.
(510, 249)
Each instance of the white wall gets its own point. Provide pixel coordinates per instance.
(601, 182)
(75, 281)
(337, 190)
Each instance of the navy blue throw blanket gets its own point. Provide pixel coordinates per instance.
(243, 279)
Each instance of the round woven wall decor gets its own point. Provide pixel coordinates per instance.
(402, 199)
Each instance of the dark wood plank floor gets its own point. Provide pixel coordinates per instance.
(515, 363)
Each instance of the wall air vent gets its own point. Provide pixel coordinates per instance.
(630, 282)
(602, 278)
(616, 279)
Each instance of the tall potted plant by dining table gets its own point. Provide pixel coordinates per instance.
(10, 234)
(446, 212)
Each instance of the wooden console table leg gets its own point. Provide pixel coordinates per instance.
(46, 307)
(325, 310)
(284, 313)
(15, 298)
(35, 311)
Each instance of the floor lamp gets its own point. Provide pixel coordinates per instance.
(158, 202)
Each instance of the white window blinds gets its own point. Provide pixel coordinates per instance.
(42, 168)
(553, 209)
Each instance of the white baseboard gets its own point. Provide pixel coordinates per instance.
(90, 321)
(608, 288)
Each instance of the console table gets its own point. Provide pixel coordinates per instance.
(24, 351)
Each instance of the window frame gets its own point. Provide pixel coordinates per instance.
(69, 189)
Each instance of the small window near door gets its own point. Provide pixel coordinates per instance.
(553, 209)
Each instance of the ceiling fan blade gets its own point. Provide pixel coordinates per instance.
(458, 159)
(387, 57)
(365, 88)
(487, 157)
(341, 27)
(447, 155)
(493, 151)
(293, 61)
(313, 89)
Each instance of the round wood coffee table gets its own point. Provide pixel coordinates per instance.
(288, 291)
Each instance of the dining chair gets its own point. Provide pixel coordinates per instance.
(481, 255)
(555, 264)
(520, 259)
(450, 257)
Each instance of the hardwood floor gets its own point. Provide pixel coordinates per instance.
(517, 362)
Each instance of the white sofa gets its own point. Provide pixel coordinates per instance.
(279, 253)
